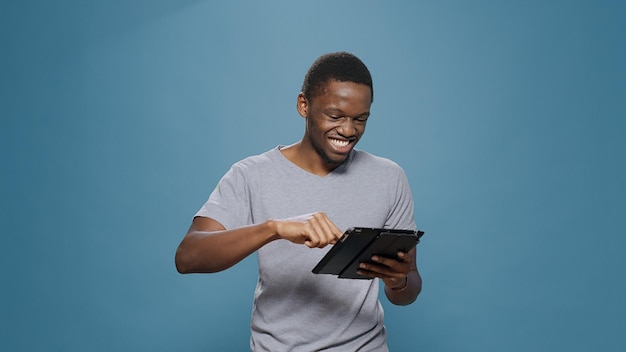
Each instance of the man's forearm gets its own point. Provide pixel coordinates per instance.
(213, 251)
(408, 294)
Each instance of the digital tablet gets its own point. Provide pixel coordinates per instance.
(359, 244)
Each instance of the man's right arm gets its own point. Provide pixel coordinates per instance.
(208, 247)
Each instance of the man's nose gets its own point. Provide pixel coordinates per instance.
(347, 127)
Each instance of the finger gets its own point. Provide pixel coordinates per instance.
(366, 273)
(401, 256)
(392, 266)
(365, 270)
(373, 270)
(330, 229)
(320, 225)
(336, 231)
(313, 239)
(326, 229)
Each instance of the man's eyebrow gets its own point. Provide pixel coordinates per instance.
(334, 110)
(337, 111)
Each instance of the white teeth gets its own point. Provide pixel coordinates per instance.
(339, 143)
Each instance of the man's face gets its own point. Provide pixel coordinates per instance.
(336, 119)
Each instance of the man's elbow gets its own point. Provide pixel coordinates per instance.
(181, 261)
(191, 261)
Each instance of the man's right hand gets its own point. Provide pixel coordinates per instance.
(314, 230)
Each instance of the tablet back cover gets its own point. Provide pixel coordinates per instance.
(386, 244)
(341, 254)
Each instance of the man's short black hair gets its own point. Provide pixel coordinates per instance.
(340, 66)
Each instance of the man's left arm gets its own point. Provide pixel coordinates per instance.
(402, 280)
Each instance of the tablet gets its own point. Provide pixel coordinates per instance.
(359, 244)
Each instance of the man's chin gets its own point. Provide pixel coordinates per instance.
(336, 160)
(333, 158)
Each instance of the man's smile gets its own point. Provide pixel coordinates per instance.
(339, 142)
(341, 145)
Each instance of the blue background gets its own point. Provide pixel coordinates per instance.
(119, 117)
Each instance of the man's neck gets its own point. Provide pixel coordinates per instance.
(307, 159)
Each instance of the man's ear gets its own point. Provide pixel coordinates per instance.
(302, 105)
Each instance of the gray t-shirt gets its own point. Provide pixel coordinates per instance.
(294, 309)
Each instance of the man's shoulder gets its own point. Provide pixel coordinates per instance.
(257, 164)
(366, 159)
(257, 159)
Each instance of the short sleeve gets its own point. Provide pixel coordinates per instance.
(229, 203)
(402, 208)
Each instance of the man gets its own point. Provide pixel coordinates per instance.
(290, 202)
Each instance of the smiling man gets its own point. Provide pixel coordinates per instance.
(291, 203)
